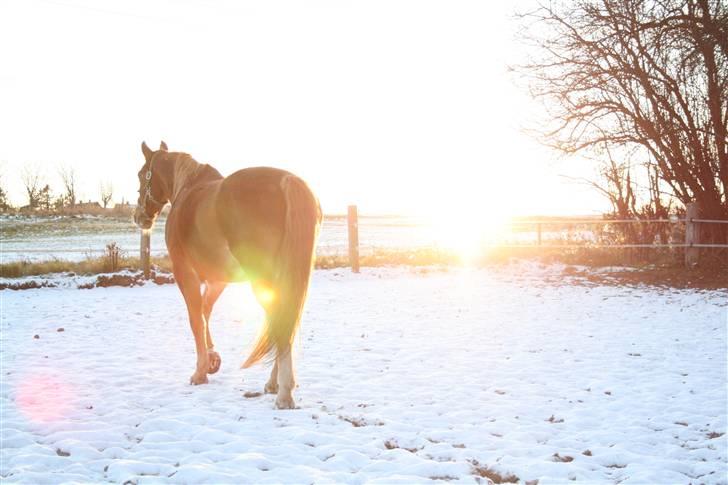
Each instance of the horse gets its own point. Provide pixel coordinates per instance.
(258, 225)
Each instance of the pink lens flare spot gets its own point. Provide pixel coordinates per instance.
(44, 398)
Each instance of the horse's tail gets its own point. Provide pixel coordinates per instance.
(293, 270)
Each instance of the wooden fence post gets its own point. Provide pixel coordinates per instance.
(692, 235)
(353, 220)
(144, 252)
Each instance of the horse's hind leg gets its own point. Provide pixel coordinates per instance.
(286, 379)
(213, 290)
(281, 309)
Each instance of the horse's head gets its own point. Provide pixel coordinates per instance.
(153, 191)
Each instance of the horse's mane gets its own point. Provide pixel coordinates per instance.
(187, 171)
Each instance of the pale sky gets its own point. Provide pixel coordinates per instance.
(396, 106)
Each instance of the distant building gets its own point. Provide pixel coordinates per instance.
(82, 206)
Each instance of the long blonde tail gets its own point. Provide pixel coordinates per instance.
(294, 263)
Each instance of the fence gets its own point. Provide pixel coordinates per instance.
(691, 244)
(402, 234)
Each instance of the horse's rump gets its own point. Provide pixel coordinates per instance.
(270, 219)
(251, 212)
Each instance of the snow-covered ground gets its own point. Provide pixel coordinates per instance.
(405, 376)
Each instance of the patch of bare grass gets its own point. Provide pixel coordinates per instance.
(359, 422)
(704, 277)
(492, 475)
(562, 458)
(89, 266)
(392, 444)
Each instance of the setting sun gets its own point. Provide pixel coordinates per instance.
(467, 233)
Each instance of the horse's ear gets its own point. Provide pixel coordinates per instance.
(146, 151)
(163, 146)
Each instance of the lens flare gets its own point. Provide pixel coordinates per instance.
(246, 304)
(265, 294)
(44, 398)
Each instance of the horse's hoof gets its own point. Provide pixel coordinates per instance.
(215, 362)
(271, 387)
(198, 379)
(285, 402)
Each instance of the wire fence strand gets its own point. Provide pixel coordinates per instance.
(536, 244)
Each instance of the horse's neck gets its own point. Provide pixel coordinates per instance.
(183, 170)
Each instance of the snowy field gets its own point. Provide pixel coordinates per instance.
(406, 376)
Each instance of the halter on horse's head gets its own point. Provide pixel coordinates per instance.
(149, 205)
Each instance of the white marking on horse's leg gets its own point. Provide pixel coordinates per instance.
(286, 380)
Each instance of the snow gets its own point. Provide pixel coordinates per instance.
(406, 376)
(67, 280)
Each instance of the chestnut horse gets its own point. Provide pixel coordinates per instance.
(258, 225)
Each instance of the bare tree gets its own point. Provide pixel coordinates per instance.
(106, 190)
(4, 202)
(30, 175)
(68, 177)
(619, 188)
(45, 197)
(651, 74)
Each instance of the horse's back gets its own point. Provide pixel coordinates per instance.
(252, 176)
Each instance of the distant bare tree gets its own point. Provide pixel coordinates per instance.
(651, 74)
(619, 188)
(4, 202)
(68, 176)
(106, 190)
(30, 175)
(45, 197)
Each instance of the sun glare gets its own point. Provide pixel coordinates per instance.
(467, 233)
(265, 294)
(249, 304)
